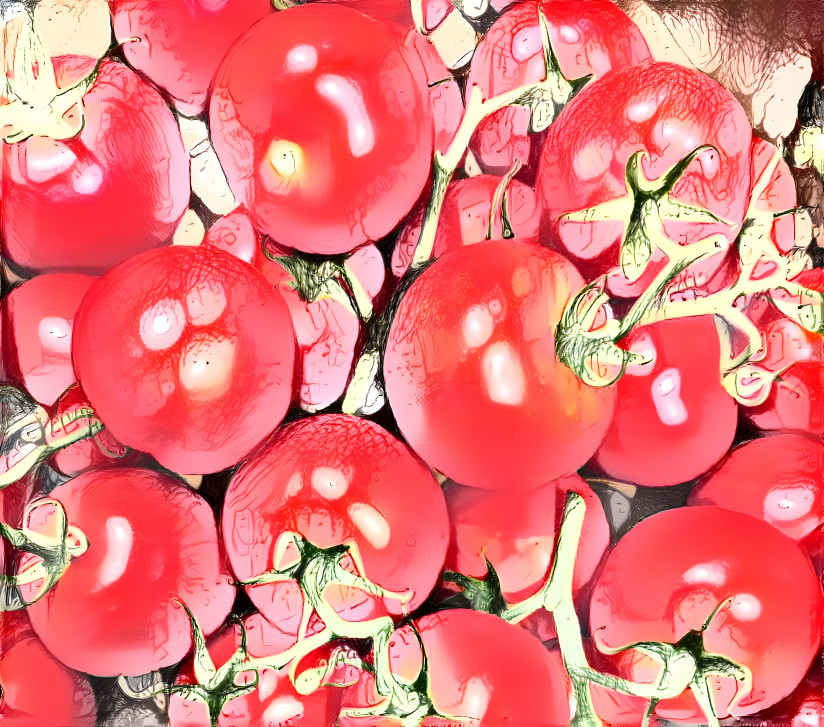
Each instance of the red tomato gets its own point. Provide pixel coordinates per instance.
(179, 44)
(778, 196)
(348, 168)
(337, 479)
(465, 218)
(26, 670)
(236, 234)
(40, 315)
(667, 112)
(274, 703)
(471, 372)
(673, 418)
(796, 401)
(779, 479)
(588, 38)
(151, 540)
(188, 354)
(748, 589)
(119, 187)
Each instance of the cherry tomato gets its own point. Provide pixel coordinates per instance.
(151, 540)
(353, 163)
(796, 401)
(587, 38)
(673, 418)
(119, 187)
(778, 478)
(188, 354)
(748, 589)
(471, 372)
(179, 44)
(337, 479)
(40, 315)
(667, 112)
(26, 669)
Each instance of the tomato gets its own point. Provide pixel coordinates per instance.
(151, 540)
(472, 376)
(346, 169)
(186, 353)
(179, 44)
(465, 218)
(673, 418)
(778, 478)
(748, 590)
(336, 479)
(26, 669)
(587, 38)
(119, 187)
(796, 401)
(40, 315)
(517, 536)
(666, 112)
(274, 702)
(236, 234)
(480, 669)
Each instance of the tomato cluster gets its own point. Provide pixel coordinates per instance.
(399, 363)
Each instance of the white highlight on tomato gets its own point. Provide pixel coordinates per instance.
(526, 43)
(46, 158)
(206, 367)
(568, 34)
(713, 574)
(55, 334)
(162, 324)
(666, 396)
(294, 485)
(371, 523)
(788, 503)
(329, 482)
(592, 161)
(641, 111)
(119, 540)
(283, 710)
(301, 59)
(745, 607)
(478, 325)
(206, 302)
(528, 563)
(643, 346)
(476, 698)
(503, 374)
(346, 97)
(88, 180)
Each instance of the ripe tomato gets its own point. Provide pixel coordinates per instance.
(778, 478)
(667, 112)
(26, 669)
(353, 163)
(151, 540)
(40, 315)
(119, 187)
(179, 44)
(472, 376)
(587, 39)
(673, 418)
(188, 354)
(795, 402)
(748, 589)
(274, 703)
(337, 479)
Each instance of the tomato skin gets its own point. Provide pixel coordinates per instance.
(667, 111)
(151, 540)
(179, 44)
(347, 171)
(179, 311)
(334, 479)
(778, 478)
(772, 625)
(674, 410)
(25, 669)
(796, 401)
(587, 38)
(471, 372)
(40, 315)
(119, 187)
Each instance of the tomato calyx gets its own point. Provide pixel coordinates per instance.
(30, 435)
(50, 553)
(483, 594)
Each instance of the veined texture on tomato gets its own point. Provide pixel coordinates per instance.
(324, 132)
(117, 188)
(472, 376)
(186, 353)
